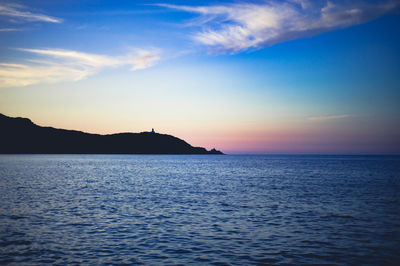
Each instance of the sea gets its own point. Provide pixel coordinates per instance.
(199, 209)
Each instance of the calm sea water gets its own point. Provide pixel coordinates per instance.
(162, 209)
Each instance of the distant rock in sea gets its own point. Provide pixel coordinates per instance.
(21, 135)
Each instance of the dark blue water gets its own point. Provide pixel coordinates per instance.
(95, 209)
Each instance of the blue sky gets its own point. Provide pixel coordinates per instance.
(291, 76)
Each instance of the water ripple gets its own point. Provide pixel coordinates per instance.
(180, 210)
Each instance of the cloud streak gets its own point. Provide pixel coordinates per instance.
(17, 12)
(55, 65)
(9, 29)
(241, 26)
(329, 117)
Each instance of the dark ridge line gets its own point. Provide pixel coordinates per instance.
(21, 136)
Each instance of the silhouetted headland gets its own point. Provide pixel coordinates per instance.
(21, 135)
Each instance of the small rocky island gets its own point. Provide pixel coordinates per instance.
(21, 135)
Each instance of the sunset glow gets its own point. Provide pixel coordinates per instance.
(243, 77)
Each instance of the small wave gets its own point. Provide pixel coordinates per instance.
(12, 217)
(315, 242)
(333, 216)
(267, 261)
(15, 242)
(201, 259)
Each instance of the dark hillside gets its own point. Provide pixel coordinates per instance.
(20, 135)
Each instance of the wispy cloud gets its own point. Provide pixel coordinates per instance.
(9, 29)
(56, 65)
(19, 12)
(240, 26)
(328, 117)
(144, 59)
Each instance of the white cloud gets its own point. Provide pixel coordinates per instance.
(240, 26)
(18, 12)
(66, 65)
(328, 117)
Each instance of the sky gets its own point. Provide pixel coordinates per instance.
(264, 77)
